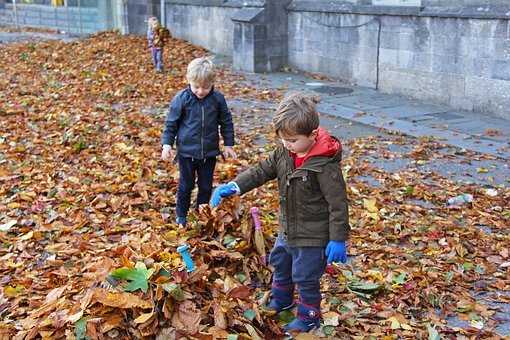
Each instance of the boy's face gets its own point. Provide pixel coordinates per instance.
(200, 90)
(298, 144)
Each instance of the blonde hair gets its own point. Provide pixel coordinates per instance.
(201, 71)
(297, 114)
(153, 22)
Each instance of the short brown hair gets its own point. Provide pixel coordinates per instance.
(297, 114)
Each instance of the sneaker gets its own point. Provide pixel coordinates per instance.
(298, 325)
(181, 221)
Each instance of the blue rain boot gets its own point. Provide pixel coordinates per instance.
(308, 318)
(282, 298)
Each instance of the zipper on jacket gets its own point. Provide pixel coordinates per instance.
(202, 135)
(296, 171)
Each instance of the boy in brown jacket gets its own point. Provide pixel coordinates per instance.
(314, 217)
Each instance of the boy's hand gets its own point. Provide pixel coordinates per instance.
(229, 152)
(222, 191)
(336, 251)
(166, 153)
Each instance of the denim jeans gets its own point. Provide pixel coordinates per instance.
(191, 170)
(302, 266)
(157, 58)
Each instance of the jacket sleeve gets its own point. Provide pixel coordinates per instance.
(225, 122)
(332, 185)
(149, 37)
(172, 121)
(257, 175)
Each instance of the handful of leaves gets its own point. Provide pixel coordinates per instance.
(260, 243)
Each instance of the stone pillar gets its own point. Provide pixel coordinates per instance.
(260, 37)
(137, 16)
(153, 8)
(105, 12)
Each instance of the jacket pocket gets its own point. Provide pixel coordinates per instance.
(311, 199)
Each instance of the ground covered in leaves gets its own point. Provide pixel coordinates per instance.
(88, 247)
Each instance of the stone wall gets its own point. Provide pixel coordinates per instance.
(71, 19)
(461, 59)
(205, 23)
(138, 11)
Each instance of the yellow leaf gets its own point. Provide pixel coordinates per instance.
(171, 235)
(27, 196)
(73, 179)
(370, 205)
(395, 324)
(406, 327)
(75, 317)
(389, 337)
(27, 236)
(376, 275)
(306, 336)
(331, 319)
(122, 147)
(13, 291)
(144, 317)
(11, 264)
(8, 225)
(460, 250)
(482, 170)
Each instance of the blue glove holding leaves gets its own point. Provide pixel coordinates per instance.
(222, 191)
(336, 251)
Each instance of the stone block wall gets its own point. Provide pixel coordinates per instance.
(205, 23)
(71, 19)
(427, 54)
(138, 11)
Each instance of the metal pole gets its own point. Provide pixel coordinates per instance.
(163, 14)
(125, 17)
(15, 13)
(79, 16)
(67, 17)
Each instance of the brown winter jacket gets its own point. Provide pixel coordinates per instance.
(313, 200)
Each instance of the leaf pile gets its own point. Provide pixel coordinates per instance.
(87, 239)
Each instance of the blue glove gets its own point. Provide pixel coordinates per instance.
(336, 251)
(222, 191)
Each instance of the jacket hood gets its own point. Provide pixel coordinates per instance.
(325, 148)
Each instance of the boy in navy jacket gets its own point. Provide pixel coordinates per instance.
(191, 128)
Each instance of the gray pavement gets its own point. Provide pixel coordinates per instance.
(352, 111)
(450, 161)
(23, 36)
(466, 130)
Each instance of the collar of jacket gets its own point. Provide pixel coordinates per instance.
(195, 97)
(315, 164)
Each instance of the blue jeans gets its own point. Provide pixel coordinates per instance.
(302, 266)
(191, 169)
(157, 58)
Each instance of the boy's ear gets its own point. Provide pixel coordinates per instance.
(314, 133)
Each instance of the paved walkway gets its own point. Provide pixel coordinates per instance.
(26, 36)
(467, 130)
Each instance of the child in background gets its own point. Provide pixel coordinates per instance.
(156, 38)
(192, 123)
(314, 217)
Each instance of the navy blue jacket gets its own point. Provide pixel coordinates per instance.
(193, 124)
